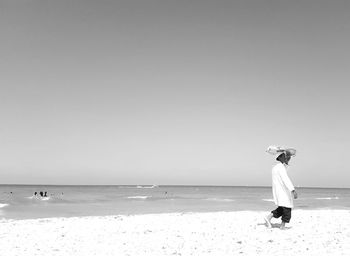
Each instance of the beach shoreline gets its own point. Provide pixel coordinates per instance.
(311, 232)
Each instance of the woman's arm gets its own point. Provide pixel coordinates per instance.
(286, 180)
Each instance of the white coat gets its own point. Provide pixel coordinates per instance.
(282, 186)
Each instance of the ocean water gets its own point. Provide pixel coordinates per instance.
(18, 202)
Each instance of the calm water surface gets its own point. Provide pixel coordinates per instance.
(18, 202)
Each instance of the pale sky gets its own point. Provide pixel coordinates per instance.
(173, 92)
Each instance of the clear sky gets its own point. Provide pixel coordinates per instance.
(173, 92)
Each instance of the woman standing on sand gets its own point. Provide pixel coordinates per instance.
(282, 189)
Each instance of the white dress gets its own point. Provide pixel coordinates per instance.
(282, 186)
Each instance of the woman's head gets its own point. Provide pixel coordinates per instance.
(284, 158)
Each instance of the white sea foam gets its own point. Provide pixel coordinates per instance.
(220, 199)
(153, 186)
(327, 198)
(39, 198)
(3, 205)
(268, 200)
(138, 197)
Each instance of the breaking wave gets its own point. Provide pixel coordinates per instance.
(138, 197)
(220, 199)
(327, 198)
(268, 200)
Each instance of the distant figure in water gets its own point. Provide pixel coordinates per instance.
(41, 194)
(35, 193)
(45, 195)
(283, 191)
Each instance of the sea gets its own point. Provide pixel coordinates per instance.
(19, 201)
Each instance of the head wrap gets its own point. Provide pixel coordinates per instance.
(277, 150)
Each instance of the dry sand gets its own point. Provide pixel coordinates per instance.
(311, 232)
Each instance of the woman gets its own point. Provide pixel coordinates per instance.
(282, 189)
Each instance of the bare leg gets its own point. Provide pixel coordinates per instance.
(283, 225)
(268, 220)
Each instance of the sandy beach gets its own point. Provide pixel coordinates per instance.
(311, 232)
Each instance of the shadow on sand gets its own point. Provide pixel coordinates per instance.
(273, 225)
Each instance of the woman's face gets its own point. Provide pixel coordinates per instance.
(287, 158)
(284, 158)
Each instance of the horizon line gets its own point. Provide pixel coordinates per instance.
(165, 185)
